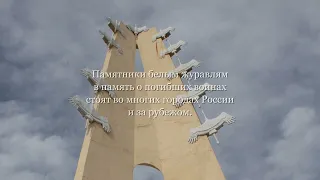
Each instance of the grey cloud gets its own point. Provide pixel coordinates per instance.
(26, 152)
(270, 48)
(292, 156)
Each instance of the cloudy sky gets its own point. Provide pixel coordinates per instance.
(271, 49)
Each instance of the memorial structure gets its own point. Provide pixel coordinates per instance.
(119, 135)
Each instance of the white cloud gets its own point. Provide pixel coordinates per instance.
(294, 155)
(270, 48)
(26, 153)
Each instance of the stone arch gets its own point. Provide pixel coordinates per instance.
(149, 165)
(145, 171)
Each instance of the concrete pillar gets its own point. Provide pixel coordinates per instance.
(111, 156)
(179, 159)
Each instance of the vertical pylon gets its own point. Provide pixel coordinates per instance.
(111, 155)
(162, 142)
(179, 159)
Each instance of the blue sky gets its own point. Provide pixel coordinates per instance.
(271, 50)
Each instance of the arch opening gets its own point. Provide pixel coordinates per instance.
(145, 171)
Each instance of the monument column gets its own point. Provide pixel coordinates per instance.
(110, 155)
(179, 159)
(118, 137)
